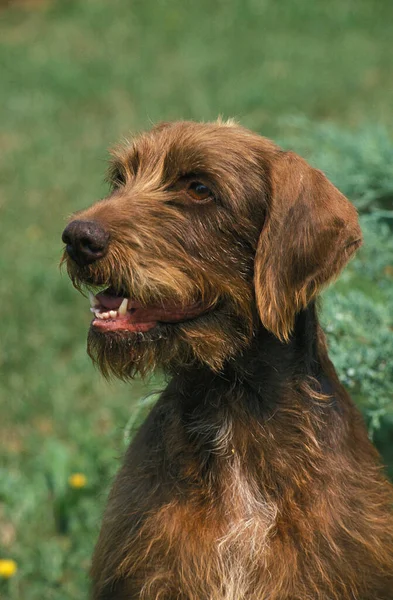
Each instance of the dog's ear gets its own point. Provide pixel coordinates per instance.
(310, 232)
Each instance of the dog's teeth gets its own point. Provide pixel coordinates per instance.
(123, 307)
(93, 300)
(99, 315)
(105, 315)
(113, 314)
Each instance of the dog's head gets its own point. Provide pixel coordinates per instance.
(208, 230)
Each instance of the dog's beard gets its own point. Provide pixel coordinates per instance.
(125, 354)
(211, 340)
(218, 334)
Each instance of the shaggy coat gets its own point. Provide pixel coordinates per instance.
(253, 477)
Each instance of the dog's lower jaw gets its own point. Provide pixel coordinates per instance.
(209, 339)
(255, 482)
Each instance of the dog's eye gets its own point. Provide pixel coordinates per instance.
(199, 191)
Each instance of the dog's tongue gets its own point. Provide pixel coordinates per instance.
(112, 302)
(138, 317)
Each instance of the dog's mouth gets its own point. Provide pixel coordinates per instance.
(116, 312)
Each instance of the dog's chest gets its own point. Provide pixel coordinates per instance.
(221, 533)
(220, 544)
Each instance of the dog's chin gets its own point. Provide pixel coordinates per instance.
(125, 354)
(209, 339)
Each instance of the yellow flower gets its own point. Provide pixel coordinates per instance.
(77, 480)
(8, 568)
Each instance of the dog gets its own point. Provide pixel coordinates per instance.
(253, 476)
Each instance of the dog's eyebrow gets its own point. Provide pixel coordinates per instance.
(133, 161)
(120, 169)
(184, 162)
(116, 173)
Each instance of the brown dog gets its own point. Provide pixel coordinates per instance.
(253, 477)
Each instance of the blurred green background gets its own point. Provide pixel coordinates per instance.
(76, 76)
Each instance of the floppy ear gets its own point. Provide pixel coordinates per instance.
(310, 232)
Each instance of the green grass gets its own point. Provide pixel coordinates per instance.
(75, 77)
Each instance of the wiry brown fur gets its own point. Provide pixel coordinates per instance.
(253, 477)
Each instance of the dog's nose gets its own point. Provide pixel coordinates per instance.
(86, 241)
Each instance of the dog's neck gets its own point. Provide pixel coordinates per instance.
(270, 383)
(267, 363)
(267, 358)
